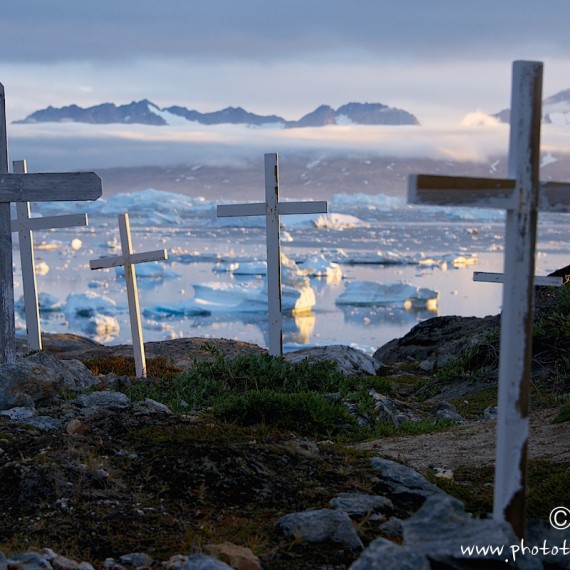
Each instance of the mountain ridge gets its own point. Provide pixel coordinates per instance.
(148, 113)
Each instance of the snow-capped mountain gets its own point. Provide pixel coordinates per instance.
(555, 110)
(148, 113)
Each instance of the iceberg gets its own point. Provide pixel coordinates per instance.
(230, 297)
(320, 266)
(89, 305)
(370, 293)
(47, 303)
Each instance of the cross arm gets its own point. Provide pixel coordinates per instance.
(260, 209)
(50, 187)
(428, 189)
(49, 222)
(487, 277)
(235, 210)
(134, 258)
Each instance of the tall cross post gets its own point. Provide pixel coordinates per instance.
(25, 225)
(128, 260)
(28, 188)
(521, 195)
(272, 208)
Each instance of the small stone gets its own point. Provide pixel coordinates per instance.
(29, 561)
(358, 504)
(384, 554)
(392, 528)
(104, 399)
(175, 562)
(320, 526)
(85, 566)
(43, 422)
(203, 562)
(490, 414)
(136, 559)
(77, 427)
(237, 557)
(63, 563)
(19, 413)
(154, 406)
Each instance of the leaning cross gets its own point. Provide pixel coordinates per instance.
(272, 209)
(128, 260)
(28, 188)
(521, 195)
(25, 225)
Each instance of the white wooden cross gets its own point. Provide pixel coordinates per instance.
(25, 225)
(272, 209)
(521, 195)
(28, 188)
(539, 280)
(128, 260)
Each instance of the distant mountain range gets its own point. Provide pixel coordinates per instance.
(555, 110)
(147, 113)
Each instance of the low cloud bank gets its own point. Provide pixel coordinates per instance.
(72, 146)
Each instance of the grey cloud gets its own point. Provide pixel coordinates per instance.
(65, 30)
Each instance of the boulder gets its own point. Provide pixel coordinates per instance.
(359, 504)
(40, 378)
(203, 562)
(383, 553)
(437, 341)
(320, 526)
(349, 361)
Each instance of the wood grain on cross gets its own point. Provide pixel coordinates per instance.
(272, 208)
(28, 188)
(521, 195)
(25, 226)
(128, 260)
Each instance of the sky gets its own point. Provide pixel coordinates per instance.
(439, 60)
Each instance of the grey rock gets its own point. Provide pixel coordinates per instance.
(3, 562)
(384, 554)
(29, 561)
(156, 407)
(40, 378)
(446, 411)
(358, 504)
(438, 340)
(203, 562)
(85, 566)
(441, 527)
(392, 528)
(18, 414)
(390, 410)
(398, 479)
(43, 422)
(104, 399)
(349, 361)
(490, 413)
(539, 531)
(136, 559)
(62, 563)
(320, 526)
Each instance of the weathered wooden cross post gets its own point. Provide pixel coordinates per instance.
(25, 225)
(272, 209)
(28, 188)
(521, 195)
(128, 260)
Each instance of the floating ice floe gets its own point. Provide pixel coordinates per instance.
(251, 268)
(42, 268)
(371, 293)
(47, 303)
(185, 308)
(231, 297)
(373, 257)
(89, 305)
(320, 266)
(76, 244)
(102, 326)
(151, 270)
(445, 261)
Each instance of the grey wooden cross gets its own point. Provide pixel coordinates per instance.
(28, 188)
(272, 209)
(521, 195)
(25, 226)
(128, 260)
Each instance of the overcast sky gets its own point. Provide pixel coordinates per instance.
(439, 59)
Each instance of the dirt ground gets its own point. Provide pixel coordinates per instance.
(473, 444)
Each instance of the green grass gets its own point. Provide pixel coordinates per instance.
(307, 398)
